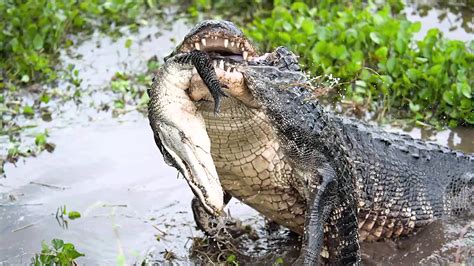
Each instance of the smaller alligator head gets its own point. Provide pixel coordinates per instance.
(179, 130)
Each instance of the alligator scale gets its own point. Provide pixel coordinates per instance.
(334, 180)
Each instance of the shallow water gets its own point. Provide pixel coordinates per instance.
(112, 173)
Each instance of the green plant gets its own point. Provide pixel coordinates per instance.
(33, 31)
(59, 253)
(373, 50)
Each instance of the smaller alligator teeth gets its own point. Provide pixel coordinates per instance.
(194, 71)
(214, 63)
(237, 45)
(226, 43)
(221, 64)
(245, 54)
(232, 44)
(198, 47)
(243, 48)
(203, 41)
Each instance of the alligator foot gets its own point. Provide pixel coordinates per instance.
(232, 82)
(219, 228)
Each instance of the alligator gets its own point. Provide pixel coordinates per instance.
(334, 180)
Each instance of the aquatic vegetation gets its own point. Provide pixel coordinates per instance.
(34, 31)
(59, 253)
(374, 51)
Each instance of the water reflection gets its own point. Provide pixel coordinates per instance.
(454, 18)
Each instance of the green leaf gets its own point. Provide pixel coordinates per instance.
(38, 42)
(25, 78)
(414, 107)
(391, 63)
(470, 118)
(128, 43)
(375, 37)
(300, 6)
(28, 111)
(420, 60)
(70, 252)
(415, 27)
(361, 83)
(466, 104)
(465, 89)
(400, 45)
(57, 244)
(73, 215)
(435, 70)
(285, 37)
(308, 26)
(44, 98)
(44, 247)
(381, 53)
(279, 261)
(448, 97)
(15, 45)
(40, 139)
(232, 259)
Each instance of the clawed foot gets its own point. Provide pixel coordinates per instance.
(233, 84)
(219, 228)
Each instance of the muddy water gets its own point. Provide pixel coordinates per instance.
(133, 205)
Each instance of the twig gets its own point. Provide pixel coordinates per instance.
(23, 228)
(48, 186)
(24, 204)
(115, 205)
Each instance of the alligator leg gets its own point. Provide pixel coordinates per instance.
(319, 211)
(206, 71)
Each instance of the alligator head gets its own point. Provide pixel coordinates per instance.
(229, 49)
(219, 38)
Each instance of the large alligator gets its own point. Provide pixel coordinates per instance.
(334, 180)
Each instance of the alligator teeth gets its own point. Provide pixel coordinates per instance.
(237, 45)
(226, 43)
(232, 44)
(221, 64)
(203, 41)
(245, 54)
(197, 46)
(214, 63)
(243, 48)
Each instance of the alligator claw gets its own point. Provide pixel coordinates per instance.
(217, 93)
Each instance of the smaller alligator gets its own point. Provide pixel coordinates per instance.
(180, 131)
(334, 180)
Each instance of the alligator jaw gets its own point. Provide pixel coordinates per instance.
(220, 38)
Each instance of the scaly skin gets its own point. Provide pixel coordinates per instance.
(277, 150)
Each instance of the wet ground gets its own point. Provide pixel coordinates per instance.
(133, 206)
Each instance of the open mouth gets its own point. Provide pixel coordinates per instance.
(224, 43)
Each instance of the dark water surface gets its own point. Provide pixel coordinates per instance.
(112, 173)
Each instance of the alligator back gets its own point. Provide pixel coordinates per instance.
(404, 183)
